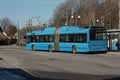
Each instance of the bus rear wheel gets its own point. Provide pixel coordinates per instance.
(50, 48)
(33, 48)
(74, 50)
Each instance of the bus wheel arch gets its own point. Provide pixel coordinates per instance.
(50, 48)
(33, 48)
(74, 49)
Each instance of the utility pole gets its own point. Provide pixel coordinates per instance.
(119, 13)
(66, 19)
(30, 22)
(0, 22)
(93, 19)
(18, 32)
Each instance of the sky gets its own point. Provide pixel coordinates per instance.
(23, 10)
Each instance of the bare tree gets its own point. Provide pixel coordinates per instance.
(111, 13)
(11, 30)
(95, 12)
(62, 14)
(75, 8)
(8, 27)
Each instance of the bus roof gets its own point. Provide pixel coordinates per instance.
(72, 29)
(46, 31)
(63, 30)
(28, 34)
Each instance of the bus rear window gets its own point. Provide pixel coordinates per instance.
(97, 35)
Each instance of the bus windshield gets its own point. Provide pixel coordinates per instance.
(97, 34)
(28, 38)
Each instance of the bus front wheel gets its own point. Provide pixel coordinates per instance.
(74, 50)
(50, 48)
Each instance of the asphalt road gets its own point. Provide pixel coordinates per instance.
(20, 64)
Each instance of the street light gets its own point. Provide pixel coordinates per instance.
(72, 21)
(78, 17)
(97, 22)
(72, 16)
(75, 19)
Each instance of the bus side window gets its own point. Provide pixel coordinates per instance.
(41, 38)
(70, 38)
(62, 38)
(34, 40)
(83, 38)
(75, 38)
(51, 38)
(37, 38)
(67, 38)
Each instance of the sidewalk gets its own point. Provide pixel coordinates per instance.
(114, 53)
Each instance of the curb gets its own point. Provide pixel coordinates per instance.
(114, 53)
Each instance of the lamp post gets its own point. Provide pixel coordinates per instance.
(97, 22)
(66, 23)
(72, 20)
(78, 20)
(18, 33)
(75, 20)
(30, 22)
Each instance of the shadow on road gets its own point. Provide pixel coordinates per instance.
(14, 74)
(19, 74)
(73, 76)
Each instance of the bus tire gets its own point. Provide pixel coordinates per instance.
(33, 48)
(50, 48)
(74, 50)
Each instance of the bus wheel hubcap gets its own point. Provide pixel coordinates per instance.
(33, 48)
(50, 49)
(74, 50)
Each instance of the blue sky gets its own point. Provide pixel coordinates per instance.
(23, 10)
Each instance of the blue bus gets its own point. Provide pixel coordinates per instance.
(68, 38)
